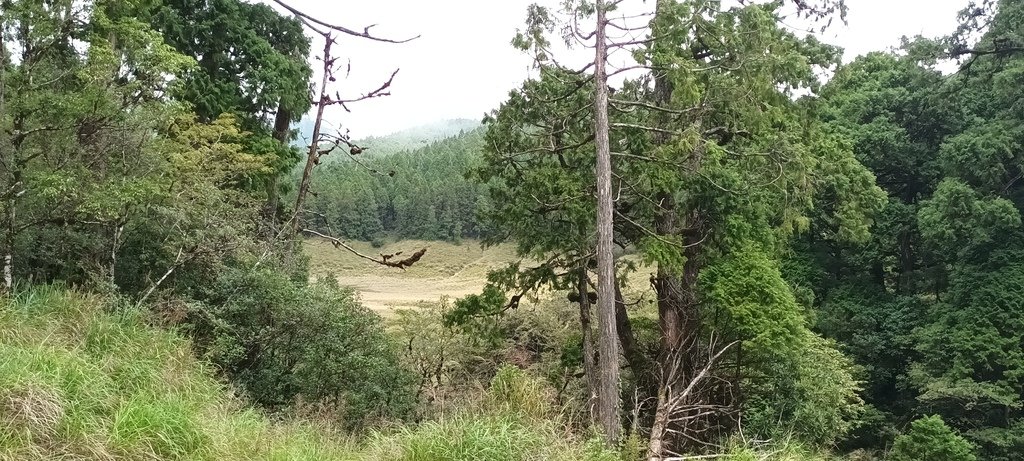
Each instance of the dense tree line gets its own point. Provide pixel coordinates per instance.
(419, 194)
(931, 305)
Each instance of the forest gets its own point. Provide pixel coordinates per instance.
(738, 246)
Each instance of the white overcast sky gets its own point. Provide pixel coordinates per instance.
(462, 65)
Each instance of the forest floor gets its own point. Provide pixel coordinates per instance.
(446, 269)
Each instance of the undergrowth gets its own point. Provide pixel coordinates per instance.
(84, 377)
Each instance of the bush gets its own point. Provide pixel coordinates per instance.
(284, 343)
(490, 437)
(811, 397)
(778, 451)
(378, 242)
(931, 439)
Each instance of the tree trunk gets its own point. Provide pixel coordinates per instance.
(282, 123)
(6, 152)
(589, 354)
(9, 234)
(627, 339)
(608, 404)
(678, 309)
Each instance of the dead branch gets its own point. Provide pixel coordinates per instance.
(383, 261)
(380, 91)
(180, 259)
(309, 20)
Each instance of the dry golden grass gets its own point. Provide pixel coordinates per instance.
(446, 270)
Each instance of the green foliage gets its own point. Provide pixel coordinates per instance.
(810, 396)
(251, 59)
(930, 438)
(783, 450)
(957, 220)
(516, 424)
(927, 307)
(747, 294)
(287, 344)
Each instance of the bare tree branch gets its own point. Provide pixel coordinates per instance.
(345, 30)
(384, 260)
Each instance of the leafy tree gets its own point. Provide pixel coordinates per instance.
(930, 438)
(727, 163)
(69, 115)
(252, 62)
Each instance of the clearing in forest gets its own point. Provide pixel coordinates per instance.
(446, 270)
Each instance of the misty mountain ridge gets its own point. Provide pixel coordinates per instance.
(408, 139)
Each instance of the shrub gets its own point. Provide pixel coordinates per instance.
(285, 343)
(512, 390)
(490, 437)
(811, 397)
(515, 424)
(931, 439)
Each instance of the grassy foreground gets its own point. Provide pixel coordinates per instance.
(85, 378)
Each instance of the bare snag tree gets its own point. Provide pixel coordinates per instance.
(322, 143)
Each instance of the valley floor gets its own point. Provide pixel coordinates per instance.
(447, 269)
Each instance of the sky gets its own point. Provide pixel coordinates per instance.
(462, 64)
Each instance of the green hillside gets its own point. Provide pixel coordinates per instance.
(413, 194)
(84, 377)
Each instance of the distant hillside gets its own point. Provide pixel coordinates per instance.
(418, 194)
(403, 140)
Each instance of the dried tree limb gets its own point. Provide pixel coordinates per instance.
(384, 260)
(345, 30)
(381, 91)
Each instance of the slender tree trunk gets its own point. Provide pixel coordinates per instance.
(9, 235)
(608, 405)
(589, 354)
(314, 147)
(8, 153)
(627, 339)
